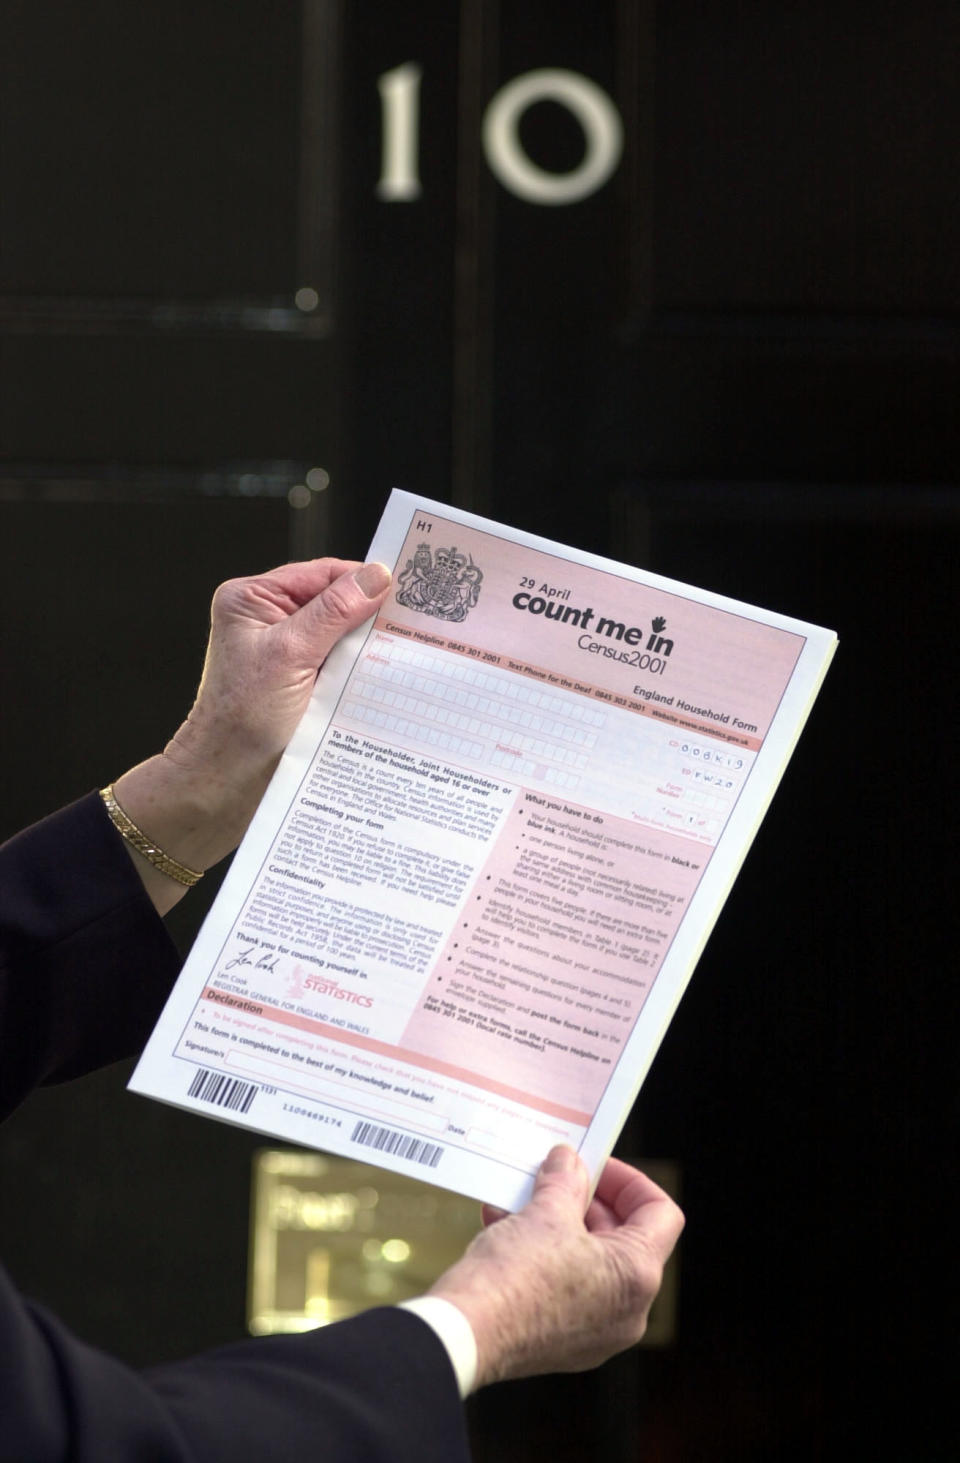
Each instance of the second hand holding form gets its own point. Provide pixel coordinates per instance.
(566, 1282)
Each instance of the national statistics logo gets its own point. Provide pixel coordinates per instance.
(444, 584)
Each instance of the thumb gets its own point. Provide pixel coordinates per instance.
(562, 1181)
(346, 602)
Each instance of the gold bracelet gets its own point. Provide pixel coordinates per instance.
(139, 840)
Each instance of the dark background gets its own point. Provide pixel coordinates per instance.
(735, 364)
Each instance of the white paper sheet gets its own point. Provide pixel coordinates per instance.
(481, 877)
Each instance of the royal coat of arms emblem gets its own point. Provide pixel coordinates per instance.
(444, 584)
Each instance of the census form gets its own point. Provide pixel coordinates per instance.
(478, 884)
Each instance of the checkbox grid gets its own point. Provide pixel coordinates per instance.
(441, 703)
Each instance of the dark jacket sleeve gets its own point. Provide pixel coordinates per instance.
(85, 966)
(376, 1389)
(85, 961)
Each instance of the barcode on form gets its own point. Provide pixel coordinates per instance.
(224, 1091)
(401, 1145)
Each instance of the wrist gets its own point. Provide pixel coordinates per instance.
(488, 1320)
(454, 1331)
(148, 848)
(197, 815)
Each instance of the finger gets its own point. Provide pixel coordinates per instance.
(490, 1214)
(305, 580)
(348, 600)
(600, 1217)
(624, 1188)
(640, 1204)
(272, 597)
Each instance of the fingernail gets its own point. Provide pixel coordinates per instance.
(560, 1160)
(372, 579)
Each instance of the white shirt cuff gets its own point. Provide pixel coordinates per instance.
(449, 1323)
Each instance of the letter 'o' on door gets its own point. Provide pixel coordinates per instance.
(593, 110)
